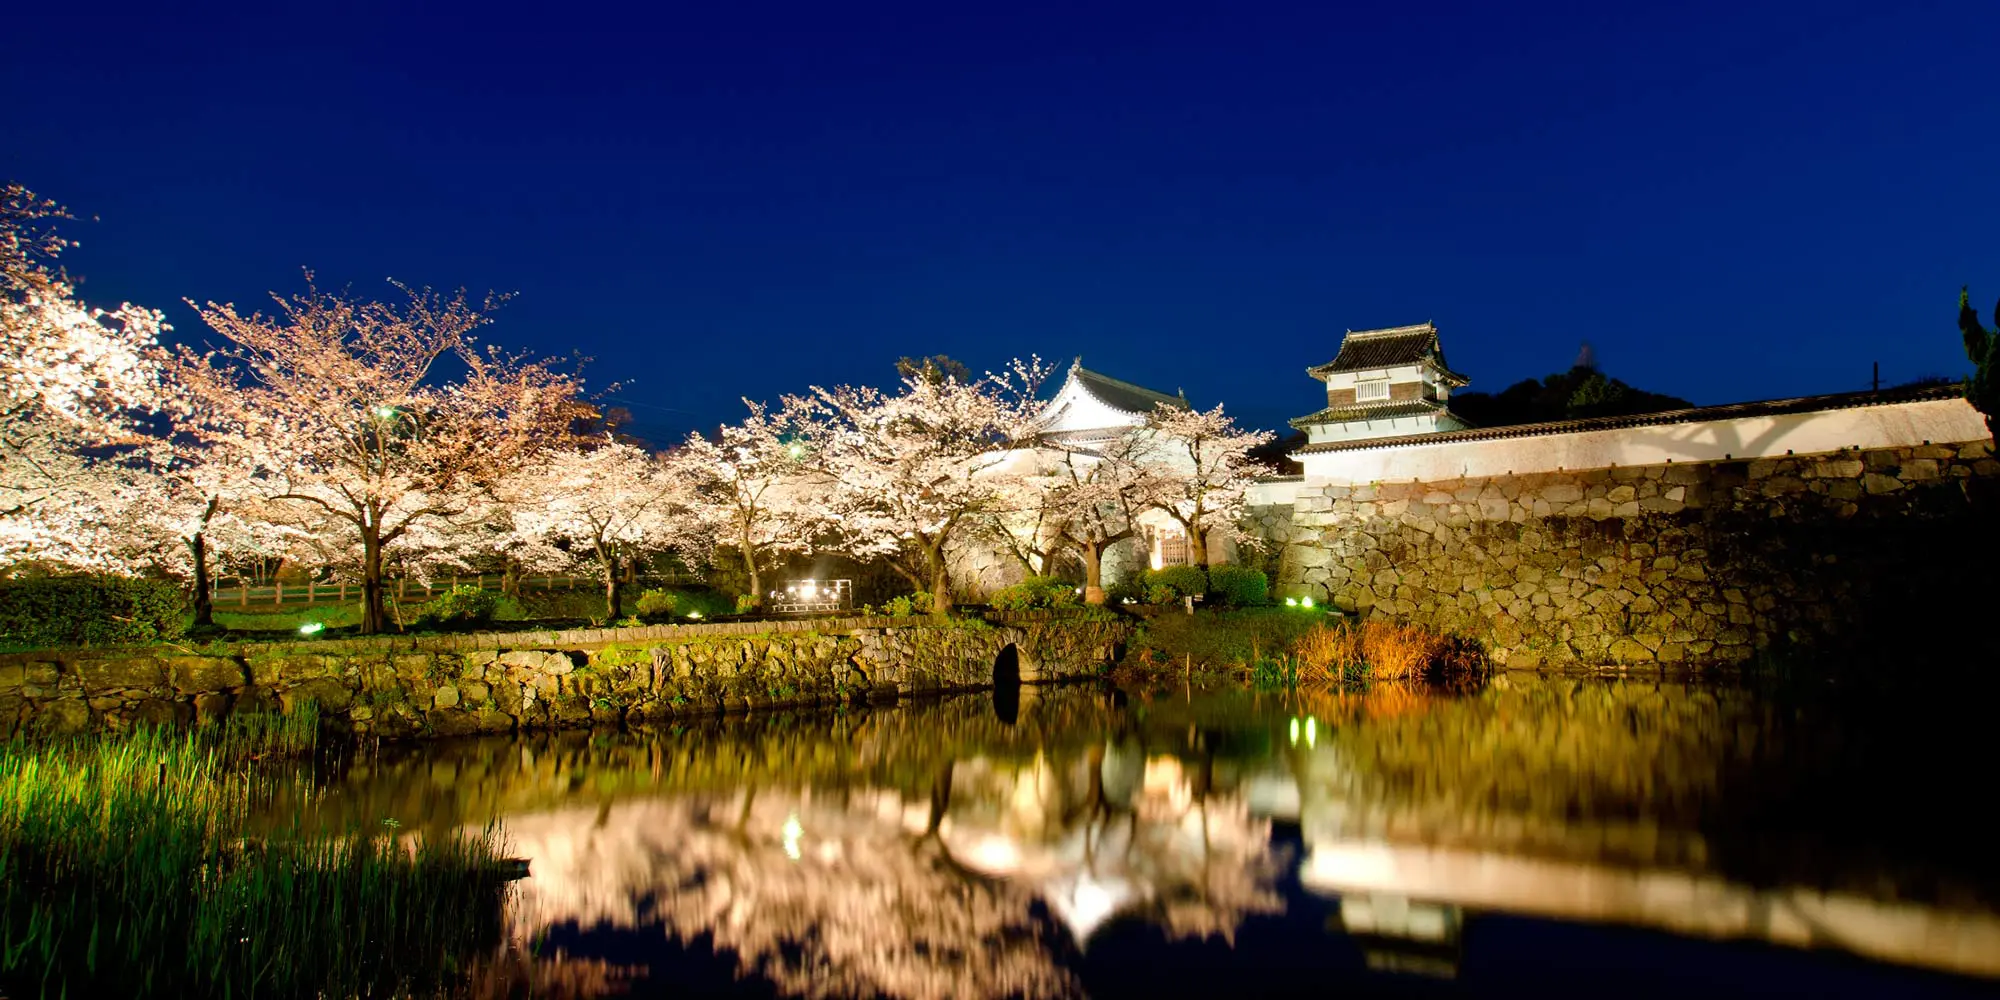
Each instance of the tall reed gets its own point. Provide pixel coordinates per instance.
(125, 870)
(1379, 650)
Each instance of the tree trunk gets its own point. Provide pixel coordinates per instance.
(1093, 572)
(749, 553)
(204, 597)
(940, 580)
(374, 611)
(613, 585)
(1197, 544)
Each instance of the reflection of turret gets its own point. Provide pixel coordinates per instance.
(1398, 934)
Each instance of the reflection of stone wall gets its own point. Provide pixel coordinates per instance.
(1692, 564)
(452, 685)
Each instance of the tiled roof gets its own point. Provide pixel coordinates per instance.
(1378, 411)
(1367, 350)
(1762, 408)
(1121, 395)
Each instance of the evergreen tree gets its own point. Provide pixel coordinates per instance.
(1982, 348)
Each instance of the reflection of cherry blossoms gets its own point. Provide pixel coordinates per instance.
(824, 895)
(1113, 834)
(873, 892)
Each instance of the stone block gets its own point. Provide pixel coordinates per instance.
(329, 694)
(1562, 493)
(451, 722)
(63, 717)
(200, 674)
(1629, 650)
(446, 697)
(124, 672)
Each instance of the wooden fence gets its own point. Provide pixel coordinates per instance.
(244, 593)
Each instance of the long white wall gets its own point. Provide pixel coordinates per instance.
(1888, 425)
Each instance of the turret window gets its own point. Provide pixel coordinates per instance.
(1365, 392)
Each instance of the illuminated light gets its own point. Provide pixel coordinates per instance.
(1295, 731)
(995, 856)
(795, 450)
(1291, 602)
(1079, 590)
(808, 590)
(311, 627)
(1305, 602)
(792, 831)
(694, 614)
(1312, 732)
(385, 412)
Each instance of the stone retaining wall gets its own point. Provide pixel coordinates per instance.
(396, 686)
(1692, 564)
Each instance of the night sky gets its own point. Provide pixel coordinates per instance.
(1729, 200)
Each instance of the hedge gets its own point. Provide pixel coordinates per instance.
(91, 611)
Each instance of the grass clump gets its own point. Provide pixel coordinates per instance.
(129, 867)
(1380, 650)
(1210, 641)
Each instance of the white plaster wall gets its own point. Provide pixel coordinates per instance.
(1355, 430)
(1885, 426)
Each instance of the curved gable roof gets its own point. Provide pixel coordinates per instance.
(1120, 395)
(1367, 350)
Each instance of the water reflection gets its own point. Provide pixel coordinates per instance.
(940, 850)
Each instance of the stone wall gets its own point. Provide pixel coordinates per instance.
(491, 682)
(1692, 564)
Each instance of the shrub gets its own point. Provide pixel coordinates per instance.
(1179, 581)
(656, 603)
(91, 611)
(552, 605)
(661, 603)
(1130, 588)
(1238, 586)
(462, 605)
(918, 603)
(1036, 592)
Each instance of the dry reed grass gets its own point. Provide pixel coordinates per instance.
(1379, 650)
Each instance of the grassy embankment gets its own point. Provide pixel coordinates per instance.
(126, 869)
(1285, 646)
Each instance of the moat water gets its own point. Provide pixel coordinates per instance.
(1565, 836)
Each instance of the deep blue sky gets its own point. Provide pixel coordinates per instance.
(1730, 200)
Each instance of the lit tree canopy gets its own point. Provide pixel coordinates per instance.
(606, 503)
(761, 490)
(72, 377)
(910, 471)
(340, 402)
(1205, 459)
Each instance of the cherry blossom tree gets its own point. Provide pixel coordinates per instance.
(72, 377)
(1094, 497)
(760, 486)
(1204, 459)
(607, 503)
(912, 471)
(340, 403)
